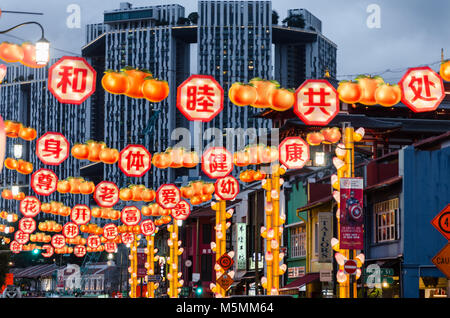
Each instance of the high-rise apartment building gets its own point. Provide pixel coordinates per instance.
(24, 98)
(234, 41)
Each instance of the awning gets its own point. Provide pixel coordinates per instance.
(384, 183)
(36, 271)
(315, 203)
(304, 280)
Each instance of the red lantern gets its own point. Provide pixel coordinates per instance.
(294, 152)
(70, 230)
(200, 98)
(106, 194)
(71, 80)
(30, 206)
(131, 215)
(80, 214)
(52, 148)
(423, 89)
(135, 160)
(44, 182)
(110, 231)
(58, 241)
(316, 102)
(148, 227)
(227, 188)
(79, 250)
(27, 225)
(168, 196)
(217, 162)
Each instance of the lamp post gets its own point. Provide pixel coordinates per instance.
(344, 163)
(42, 45)
(273, 231)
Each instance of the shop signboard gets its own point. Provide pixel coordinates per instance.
(241, 239)
(325, 235)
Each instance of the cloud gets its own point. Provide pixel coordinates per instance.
(412, 31)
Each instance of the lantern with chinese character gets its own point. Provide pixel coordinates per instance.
(48, 250)
(52, 148)
(131, 215)
(80, 214)
(181, 211)
(148, 227)
(110, 231)
(294, 152)
(70, 230)
(316, 102)
(423, 89)
(71, 80)
(106, 194)
(93, 241)
(79, 250)
(227, 188)
(58, 241)
(168, 196)
(217, 162)
(135, 160)
(44, 182)
(30, 206)
(200, 98)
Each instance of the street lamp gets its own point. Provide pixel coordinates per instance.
(42, 45)
(18, 151)
(15, 190)
(319, 159)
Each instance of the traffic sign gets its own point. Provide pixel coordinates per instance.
(442, 222)
(442, 260)
(225, 281)
(350, 267)
(225, 261)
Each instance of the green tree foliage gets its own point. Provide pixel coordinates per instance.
(275, 17)
(295, 20)
(193, 17)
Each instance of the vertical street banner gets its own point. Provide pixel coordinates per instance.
(141, 260)
(241, 246)
(351, 214)
(325, 235)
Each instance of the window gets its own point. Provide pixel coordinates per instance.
(298, 242)
(386, 216)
